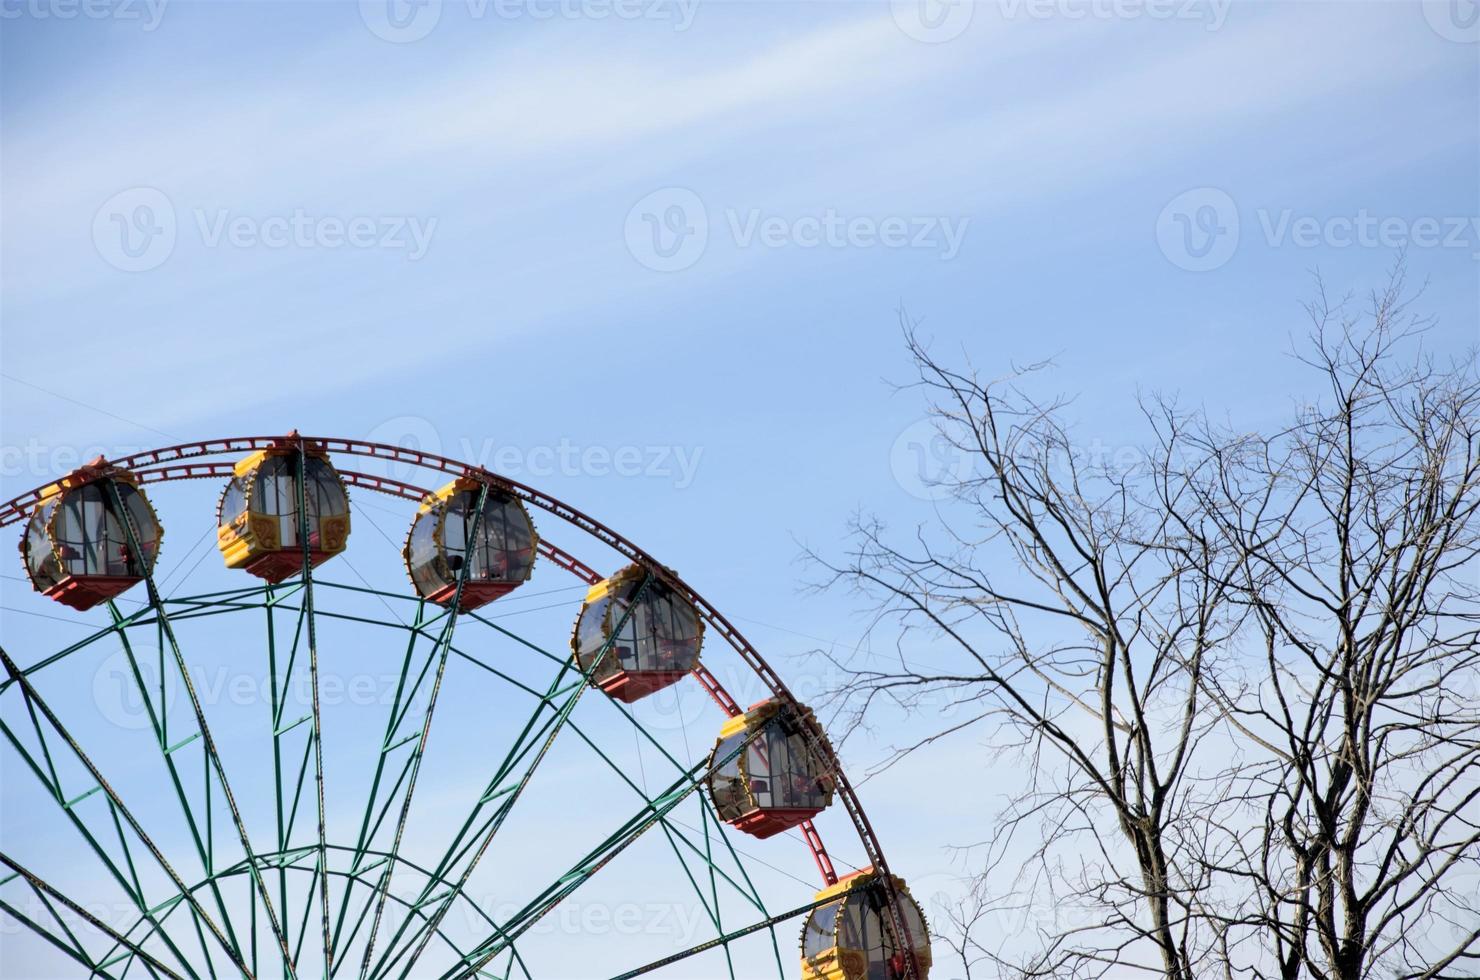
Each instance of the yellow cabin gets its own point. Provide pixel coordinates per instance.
(76, 546)
(779, 780)
(259, 527)
(657, 645)
(853, 938)
(441, 548)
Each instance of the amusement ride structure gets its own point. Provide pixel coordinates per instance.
(282, 872)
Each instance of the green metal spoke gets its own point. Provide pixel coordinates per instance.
(358, 878)
(78, 956)
(370, 824)
(750, 895)
(713, 911)
(768, 923)
(708, 818)
(275, 700)
(317, 736)
(751, 892)
(598, 858)
(419, 749)
(57, 657)
(511, 794)
(32, 697)
(56, 917)
(130, 884)
(713, 886)
(159, 724)
(207, 739)
(42, 888)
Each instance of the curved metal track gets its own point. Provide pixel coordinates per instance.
(189, 461)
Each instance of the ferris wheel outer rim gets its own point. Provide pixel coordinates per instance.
(19, 507)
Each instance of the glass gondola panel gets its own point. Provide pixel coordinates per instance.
(655, 634)
(42, 565)
(864, 926)
(423, 557)
(727, 787)
(78, 547)
(591, 633)
(819, 934)
(233, 503)
(503, 550)
(666, 629)
(855, 938)
(276, 493)
(787, 778)
(264, 513)
(452, 546)
(798, 781)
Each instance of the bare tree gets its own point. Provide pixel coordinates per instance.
(1233, 666)
(1090, 662)
(1360, 534)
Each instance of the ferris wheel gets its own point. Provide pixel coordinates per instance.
(437, 824)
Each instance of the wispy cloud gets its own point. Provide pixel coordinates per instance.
(528, 155)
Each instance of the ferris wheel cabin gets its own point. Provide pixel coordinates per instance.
(853, 937)
(638, 632)
(778, 779)
(77, 548)
(444, 548)
(260, 527)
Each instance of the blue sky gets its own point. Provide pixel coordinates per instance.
(682, 234)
